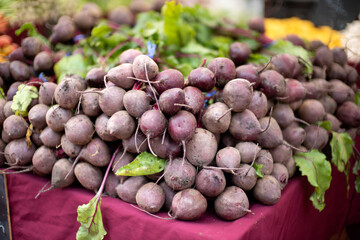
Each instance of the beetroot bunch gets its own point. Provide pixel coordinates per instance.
(227, 130)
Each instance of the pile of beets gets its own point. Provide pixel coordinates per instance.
(213, 127)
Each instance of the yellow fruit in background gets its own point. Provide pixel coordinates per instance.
(279, 28)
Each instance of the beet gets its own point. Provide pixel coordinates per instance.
(244, 126)
(316, 137)
(136, 102)
(19, 71)
(194, 99)
(171, 101)
(217, 118)
(121, 76)
(179, 174)
(202, 78)
(239, 52)
(79, 129)
(150, 197)
(228, 157)
(95, 78)
(259, 104)
(43, 62)
(169, 78)
(129, 55)
(188, 204)
(267, 190)
(232, 203)
(121, 125)
(210, 182)
(223, 69)
(250, 73)
(273, 83)
(201, 147)
(248, 151)
(237, 94)
(323, 57)
(245, 177)
(311, 111)
(281, 174)
(349, 114)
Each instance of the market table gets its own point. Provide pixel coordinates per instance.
(53, 214)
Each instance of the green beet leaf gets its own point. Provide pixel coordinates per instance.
(258, 58)
(357, 98)
(357, 184)
(326, 125)
(176, 31)
(31, 32)
(144, 164)
(314, 165)
(90, 218)
(341, 149)
(74, 64)
(2, 94)
(258, 168)
(22, 99)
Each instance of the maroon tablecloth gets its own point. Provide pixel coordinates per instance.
(53, 215)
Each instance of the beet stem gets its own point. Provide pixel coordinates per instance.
(301, 121)
(117, 161)
(293, 147)
(148, 140)
(42, 189)
(27, 169)
(136, 132)
(203, 62)
(142, 80)
(73, 165)
(266, 65)
(226, 112)
(183, 105)
(268, 125)
(153, 215)
(152, 89)
(163, 137)
(184, 148)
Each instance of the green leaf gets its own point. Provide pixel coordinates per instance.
(22, 99)
(258, 169)
(90, 218)
(144, 164)
(2, 94)
(325, 124)
(258, 58)
(318, 171)
(74, 64)
(357, 184)
(283, 46)
(196, 48)
(356, 168)
(101, 29)
(357, 98)
(32, 32)
(176, 31)
(341, 149)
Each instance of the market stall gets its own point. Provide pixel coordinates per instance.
(161, 119)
